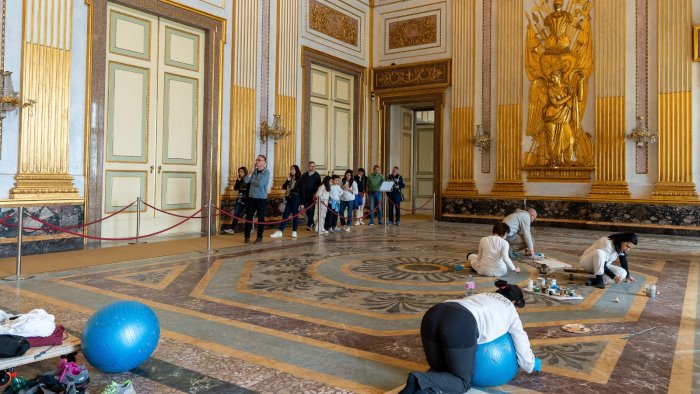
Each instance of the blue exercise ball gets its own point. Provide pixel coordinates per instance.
(120, 336)
(495, 363)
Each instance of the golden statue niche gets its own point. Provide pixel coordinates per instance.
(559, 62)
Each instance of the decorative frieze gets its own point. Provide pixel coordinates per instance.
(413, 75)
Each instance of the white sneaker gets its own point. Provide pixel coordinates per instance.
(276, 234)
(230, 231)
(347, 229)
(294, 234)
(323, 232)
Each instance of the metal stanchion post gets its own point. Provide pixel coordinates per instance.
(20, 227)
(434, 205)
(384, 204)
(138, 223)
(209, 249)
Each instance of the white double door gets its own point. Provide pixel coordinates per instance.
(153, 123)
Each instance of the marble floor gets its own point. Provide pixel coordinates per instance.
(340, 313)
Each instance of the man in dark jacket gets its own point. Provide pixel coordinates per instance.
(311, 180)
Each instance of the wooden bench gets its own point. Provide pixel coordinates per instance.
(69, 345)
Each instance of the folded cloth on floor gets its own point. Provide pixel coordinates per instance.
(36, 323)
(13, 345)
(55, 339)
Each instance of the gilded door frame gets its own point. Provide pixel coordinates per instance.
(215, 36)
(311, 56)
(413, 84)
(433, 98)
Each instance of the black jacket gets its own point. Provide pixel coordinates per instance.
(296, 191)
(311, 184)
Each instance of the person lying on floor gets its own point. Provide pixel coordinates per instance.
(598, 259)
(493, 259)
(451, 331)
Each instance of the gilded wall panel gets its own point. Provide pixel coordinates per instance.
(416, 31)
(243, 90)
(461, 180)
(335, 25)
(609, 36)
(509, 93)
(675, 102)
(286, 81)
(413, 32)
(43, 155)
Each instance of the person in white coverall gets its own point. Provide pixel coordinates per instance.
(493, 259)
(519, 223)
(452, 330)
(598, 259)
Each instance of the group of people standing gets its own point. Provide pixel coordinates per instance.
(344, 196)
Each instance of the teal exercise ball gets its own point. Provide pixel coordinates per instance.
(496, 362)
(120, 336)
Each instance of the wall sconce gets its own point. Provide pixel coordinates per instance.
(481, 141)
(275, 132)
(641, 134)
(9, 99)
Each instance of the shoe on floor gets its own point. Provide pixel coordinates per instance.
(115, 388)
(227, 231)
(294, 234)
(398, 223)
(323, 232)
(276, 234)
(371, 224)
(347, 229)
(246, 240)
(390, 223)
(258, 240)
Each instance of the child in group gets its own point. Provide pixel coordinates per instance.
(322, 196)
(493, 259)
(361, 180)
(334, 204)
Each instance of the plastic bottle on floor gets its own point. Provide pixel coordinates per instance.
(469, 286)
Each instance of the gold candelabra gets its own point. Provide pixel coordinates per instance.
(482, 140)
(275, 132)
(10, 100)
(641, 134)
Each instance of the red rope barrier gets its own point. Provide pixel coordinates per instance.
(2, 221)
(77, 225)
(112, 239)
(171, 214)
(275, 222)
(410, 210)
(104, 218)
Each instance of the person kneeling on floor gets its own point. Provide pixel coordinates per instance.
(451, 331)
(493, 259)
(598, 259)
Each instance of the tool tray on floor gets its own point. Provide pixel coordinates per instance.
(71, 344)
(556, 297)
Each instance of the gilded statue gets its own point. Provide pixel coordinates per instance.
(559, 62)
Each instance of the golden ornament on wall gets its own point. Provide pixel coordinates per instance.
(559, 62)
(413, 32)
(333, 23)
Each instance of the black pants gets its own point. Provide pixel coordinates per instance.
(310, 212)
(254, 205)
(394, 206)
(449, 335)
